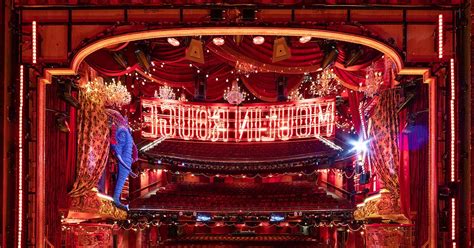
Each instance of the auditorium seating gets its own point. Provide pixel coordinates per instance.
(229, 241)
(244, 151)
(293, 196)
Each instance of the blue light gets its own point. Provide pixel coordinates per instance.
(277, 217)
(203, 217)
(360, 146)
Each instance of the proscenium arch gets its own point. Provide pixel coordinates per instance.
(209, 31)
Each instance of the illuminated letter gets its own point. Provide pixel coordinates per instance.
(220, 125)
(285, 130)
(324, 119)
(246, 125)
(303, 121)
(186, 122)
(201, 124)
(170, 131)
(148, 120)
(271, 119)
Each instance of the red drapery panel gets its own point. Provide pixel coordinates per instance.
(59, 172)
(173, 69)
(93, 141)
(418, 164)
(259, 2)
(384, 151)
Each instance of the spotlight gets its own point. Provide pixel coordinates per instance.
(361, 146)
(65, 89)
(173, 41)
(331, 55)
(61, 122)
(281, 51)
(258, 40)
(143, 60)
(218, 41)
(305, 39)
(354, 56)
(195, 51)
(120, 59)
(404, 104)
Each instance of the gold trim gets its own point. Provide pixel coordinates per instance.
(93, 205)
(384, 205)
(179, 32)
(425, 72)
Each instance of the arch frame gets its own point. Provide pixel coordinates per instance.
(82, 53)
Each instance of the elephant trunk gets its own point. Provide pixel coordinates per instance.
(121, 178)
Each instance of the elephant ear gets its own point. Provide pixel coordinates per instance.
(135, 153)
(121, 136)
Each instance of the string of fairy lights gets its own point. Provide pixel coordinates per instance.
(252, 220)
(335, 171)
(143, 225)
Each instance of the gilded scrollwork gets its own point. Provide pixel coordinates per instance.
(385, 206)
(91, 204)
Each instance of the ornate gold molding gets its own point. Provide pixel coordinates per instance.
(196, 31)
(384, 205)
(94, 206)
(389, 235)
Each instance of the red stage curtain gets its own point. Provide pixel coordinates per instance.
(404, 169)
(384, 153)
(93, 141)
(59, 173)
(355, 240)
(418, 165)
(259, 2)
(171, 68)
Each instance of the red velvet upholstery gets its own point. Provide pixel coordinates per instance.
(242, 196)
(242, 152)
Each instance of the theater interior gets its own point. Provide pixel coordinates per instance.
(265, 123)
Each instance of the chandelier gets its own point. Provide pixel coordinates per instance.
(373, 80)
(233, 95)
(165, 92)
(326, 83)
(295, 95)
(116, 94)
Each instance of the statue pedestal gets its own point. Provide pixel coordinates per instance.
(94, 206)
(384, 206)
(389, 235)
(87, 235)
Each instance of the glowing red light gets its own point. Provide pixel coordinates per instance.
(258, 40)
(218, 41)
(440, 36)
(33, 41)
(305, 39)
(311, 118)
(173, 41)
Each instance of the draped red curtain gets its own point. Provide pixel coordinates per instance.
(92, 141)
(260, 2)
(170, 67)
(417, 137)
(59, 172)
(384, 150)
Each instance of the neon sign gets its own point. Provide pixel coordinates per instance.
(310, 118)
